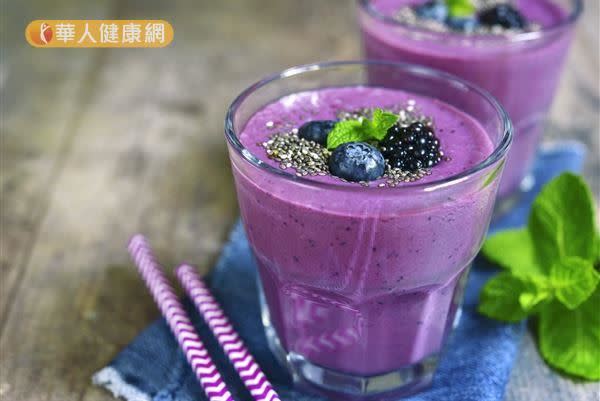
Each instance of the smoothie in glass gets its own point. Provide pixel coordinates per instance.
(361, 283)
(520, 69)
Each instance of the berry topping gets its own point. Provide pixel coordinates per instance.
(463, 24)
(356, 161)
(503, 15)
(434, 9)
(411, 148)
(316, 131)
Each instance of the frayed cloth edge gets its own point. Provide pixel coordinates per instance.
(111, 379)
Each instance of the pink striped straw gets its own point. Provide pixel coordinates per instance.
(243, 362)
(176, 317)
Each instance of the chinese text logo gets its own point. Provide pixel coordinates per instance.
(99, 33)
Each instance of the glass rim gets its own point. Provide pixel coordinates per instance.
(367, 6)
(499, 152)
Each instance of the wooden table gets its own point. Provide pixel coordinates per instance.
(99, 144)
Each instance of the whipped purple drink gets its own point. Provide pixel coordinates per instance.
(520, 67)
(363, 279)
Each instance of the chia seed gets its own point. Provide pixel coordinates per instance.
(291, 151)
(310, 158)
(407, 114)
(395, 176)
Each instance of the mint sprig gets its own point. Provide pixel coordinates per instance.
(551, 272)
(362, 130)
(573, 280)
(499, 300)
(570, 339)
(460, 8)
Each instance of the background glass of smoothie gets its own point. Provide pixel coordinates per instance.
(360, 285)
(521, 70)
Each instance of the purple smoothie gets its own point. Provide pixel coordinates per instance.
(363, 280)
(521, 72)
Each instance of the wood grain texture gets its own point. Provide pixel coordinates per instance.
(99, 144)
(41, 99)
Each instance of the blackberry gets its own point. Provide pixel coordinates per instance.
(503, 15)
(411, 148)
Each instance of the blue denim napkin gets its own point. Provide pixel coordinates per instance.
(475, 366)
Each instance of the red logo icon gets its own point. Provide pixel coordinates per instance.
(40, 34)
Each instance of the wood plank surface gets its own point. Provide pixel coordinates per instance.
(99, 144)
(41, 99)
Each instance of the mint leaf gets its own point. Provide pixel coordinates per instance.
(573, 280)
(570, 339)
(460, 8)
(530, 300)
(596, 258)
(551, 271)
(382, 122)
(361, 130)
(513, 250)
(499, 298)
(537, 291)
(562, 220)
(547, 229)
(346, 131)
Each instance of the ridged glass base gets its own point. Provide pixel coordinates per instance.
(343, 386)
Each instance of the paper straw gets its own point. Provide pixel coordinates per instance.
(243, 362)
(176, 317)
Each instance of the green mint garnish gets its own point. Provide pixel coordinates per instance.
(550, 272)
(460, 8)
(498, 299)
(521, 256)
(562, 220)
(570, 339)
(345, 131)
(362, 130)
(573, 280)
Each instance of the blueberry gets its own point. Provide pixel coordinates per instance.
(316, 131)
(433, 9)
(357, 161)
(463, 24)
(503, 15)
